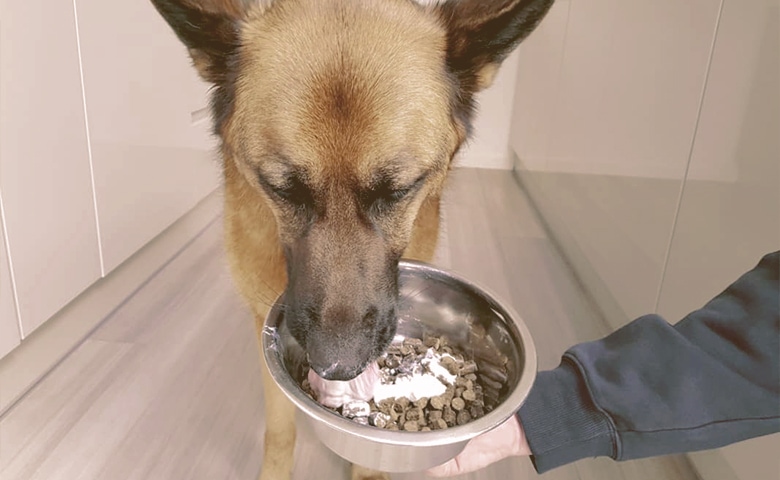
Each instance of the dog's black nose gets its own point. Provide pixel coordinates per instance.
(341, 339)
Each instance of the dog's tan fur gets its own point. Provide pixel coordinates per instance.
(336, 91)
(289, 106)
(306, 121)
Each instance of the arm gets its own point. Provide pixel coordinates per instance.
(651, 388)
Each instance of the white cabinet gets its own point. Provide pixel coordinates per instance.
(729, 213)
(44, 159)
(104, 143)
(152, 161)
(612, 120)
(9, 324)
(606, 109)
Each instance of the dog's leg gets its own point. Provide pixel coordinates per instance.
(279, 445)
(258, 269)
(425, 235)
(362, 473)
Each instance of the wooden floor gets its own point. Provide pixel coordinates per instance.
(168, 388)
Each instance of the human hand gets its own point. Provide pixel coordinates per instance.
(506, 440)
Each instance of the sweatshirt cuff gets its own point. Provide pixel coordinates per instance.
(561, 422)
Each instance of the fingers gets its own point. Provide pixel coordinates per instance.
(448, 469)
(473, 457)
(506, 440)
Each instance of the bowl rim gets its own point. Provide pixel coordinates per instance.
(509, 407)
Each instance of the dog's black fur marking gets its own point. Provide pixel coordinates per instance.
(213, 41)
(481, 33)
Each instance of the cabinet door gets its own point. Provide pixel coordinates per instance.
(605, 114)
(9, 323)
(44, 159)
(153, 159)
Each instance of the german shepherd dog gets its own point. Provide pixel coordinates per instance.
(338, 121)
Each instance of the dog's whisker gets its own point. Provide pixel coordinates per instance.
(415, 293)
(264, 299)
(269, 303)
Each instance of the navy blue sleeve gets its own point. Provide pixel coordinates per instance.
(651, 388)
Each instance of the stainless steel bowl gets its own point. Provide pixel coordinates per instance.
(431, 301)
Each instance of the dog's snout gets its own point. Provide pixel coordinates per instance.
(342, 340)
(345, 316)
(340, 300)
(369, 318)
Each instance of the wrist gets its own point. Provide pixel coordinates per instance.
(519, 442)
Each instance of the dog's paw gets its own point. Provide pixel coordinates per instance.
(363, 473)
(271, 474)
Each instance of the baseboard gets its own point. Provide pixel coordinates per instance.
(491, 161)
(722, 173)
(40, 352)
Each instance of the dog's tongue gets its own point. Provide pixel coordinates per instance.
(333, 393)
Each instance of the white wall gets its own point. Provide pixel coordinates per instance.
(610, 95)
(606, 109)
(10, 334)
(489, 146)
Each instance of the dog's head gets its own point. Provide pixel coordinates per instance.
(345, 116)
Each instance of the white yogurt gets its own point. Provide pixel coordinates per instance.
(412, 387)
(432, 362)
(432, 381)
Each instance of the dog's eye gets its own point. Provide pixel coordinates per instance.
(398, 194)
(384, 195)
(293, 191)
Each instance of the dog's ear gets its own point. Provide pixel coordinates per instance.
(482, 33)
(209, 29)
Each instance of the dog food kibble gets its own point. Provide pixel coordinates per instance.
(437, 402)
(425, 385)
(458, 404)
(411, 426)
(469, 395)
(378, 419)
(355, 409)
(449, 416)
(463, 417)
(391, 362)
(414, 414)
(439, 424)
